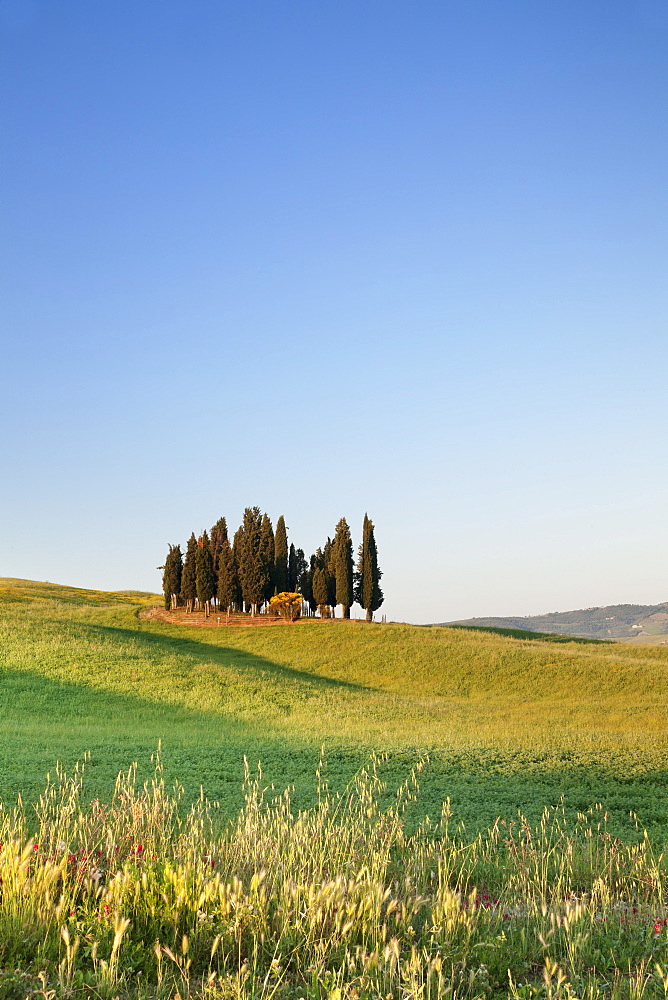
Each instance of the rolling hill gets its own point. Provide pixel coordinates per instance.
(626, 622)
(507, 722)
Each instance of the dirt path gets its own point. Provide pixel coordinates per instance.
(199, 620)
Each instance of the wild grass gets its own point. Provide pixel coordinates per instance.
(136, 899)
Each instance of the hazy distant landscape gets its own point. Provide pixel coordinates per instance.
(628, 622)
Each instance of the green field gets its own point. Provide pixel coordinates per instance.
(507, 723)
(342, 889)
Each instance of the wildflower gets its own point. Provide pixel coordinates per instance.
(657, 928)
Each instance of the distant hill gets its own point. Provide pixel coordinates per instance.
(639, 622)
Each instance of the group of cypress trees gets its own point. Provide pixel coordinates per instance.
(244, 574)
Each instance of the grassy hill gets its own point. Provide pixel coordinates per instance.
(638, 623)
(508, 722)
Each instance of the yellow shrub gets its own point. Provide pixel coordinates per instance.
(287, 605)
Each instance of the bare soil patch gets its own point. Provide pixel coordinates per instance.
(199, 620)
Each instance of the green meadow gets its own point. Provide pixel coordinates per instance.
(328, 867)
(503, 722)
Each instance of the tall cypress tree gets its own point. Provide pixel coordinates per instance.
(307, 583)
(205, 578)
(329, 569)
(227, 582)
(320, 593)
(300, 571)
(171, 578)
(267, 545)
(189, 575)
(281, 557)
(218, 538)
(316, 563)
(251, 570)
(343, 566)
(293, 576)
(367, 589)
(237, 553)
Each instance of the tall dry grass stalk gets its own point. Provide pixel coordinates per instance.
(142, 897)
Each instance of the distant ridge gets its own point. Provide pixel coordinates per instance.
(640, 622)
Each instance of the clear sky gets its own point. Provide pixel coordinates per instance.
(333, 257)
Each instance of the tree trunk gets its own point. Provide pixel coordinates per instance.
(345, 612)
(369, 616)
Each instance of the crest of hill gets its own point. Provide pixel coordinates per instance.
(627, 622)
(15, 591)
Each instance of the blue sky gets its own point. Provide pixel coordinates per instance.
(329, 258)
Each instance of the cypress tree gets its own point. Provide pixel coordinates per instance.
(293, 576)
(205, 578)
(237, 549)
(307, 583)
(367, 589)
(281, 578)
(329, 570)
(218, 538)
(300, 570)
(320, 593)
(227, 582)
(189, 575)
(267, 545)
(171, 578)
(166, 580)
(251, 570)
(343, 566)
(316, 563)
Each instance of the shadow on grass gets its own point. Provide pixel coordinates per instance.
(43, 721)
(223, 656)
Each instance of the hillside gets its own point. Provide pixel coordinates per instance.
(628, 622)
(507, 722)
(15, 591)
